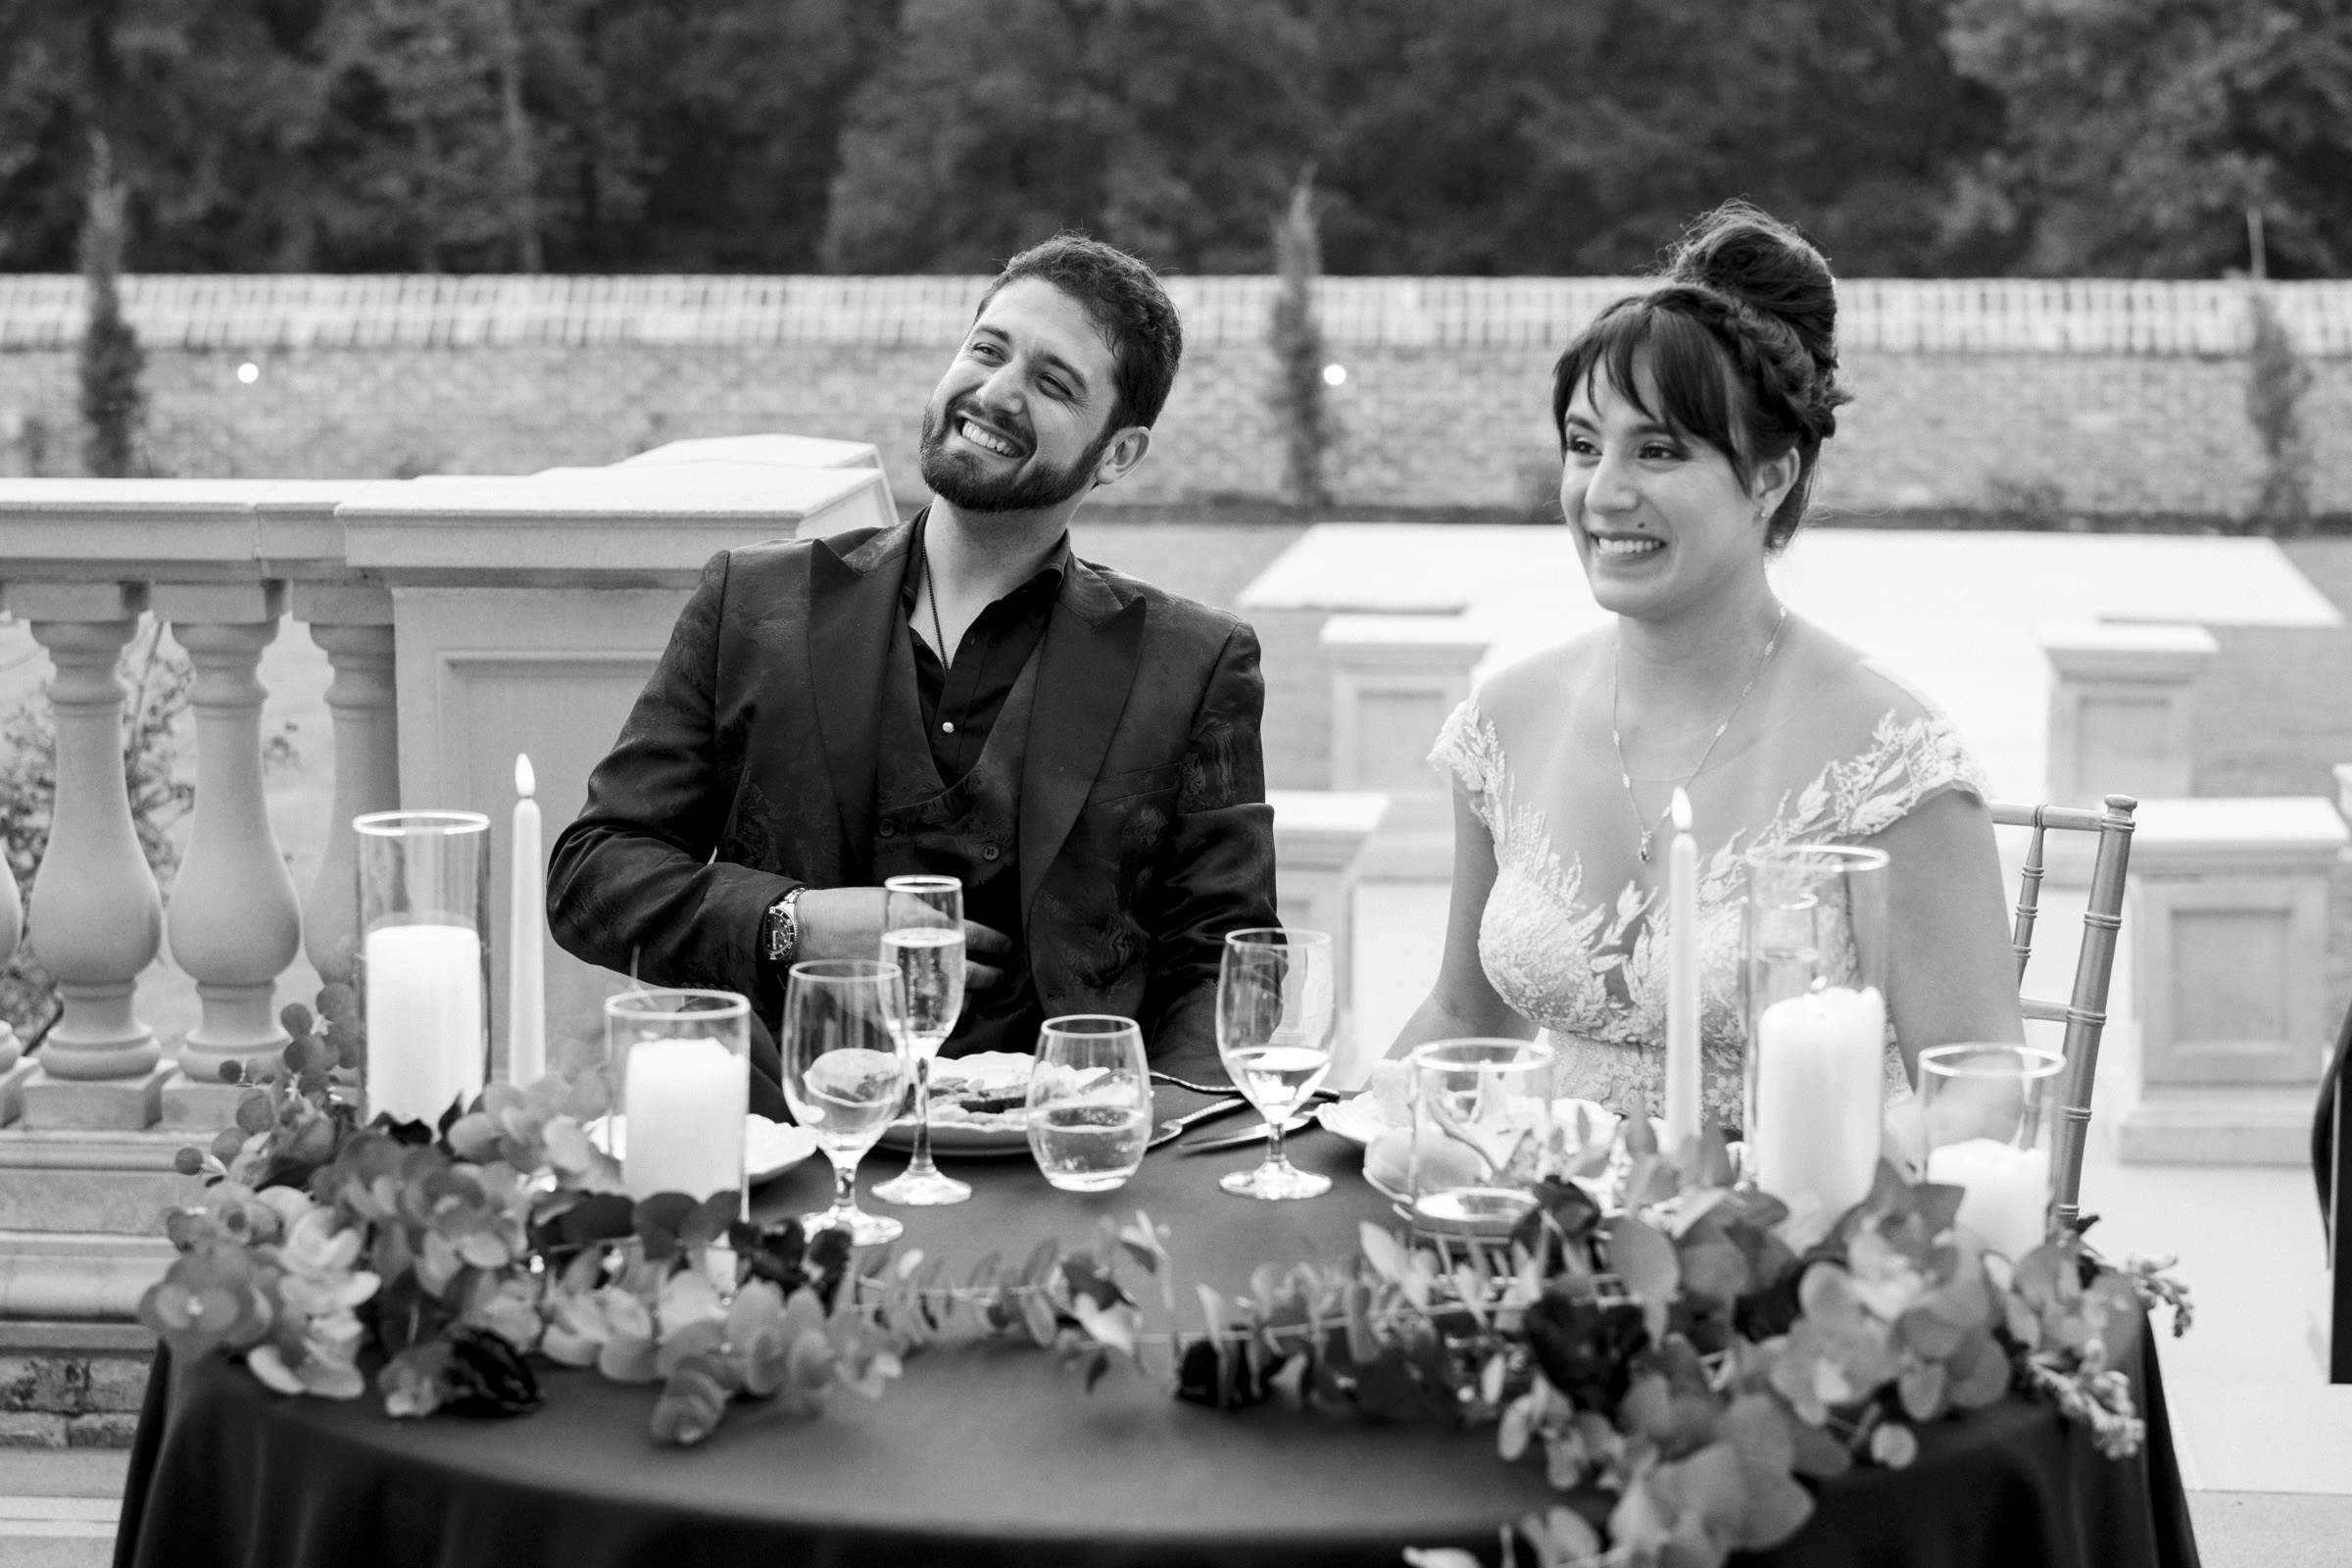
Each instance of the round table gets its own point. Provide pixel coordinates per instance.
(993, 1454)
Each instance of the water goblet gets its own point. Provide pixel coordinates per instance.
(845, 1074)
(922, 936)
(1090, 1102)
(1276, 1007)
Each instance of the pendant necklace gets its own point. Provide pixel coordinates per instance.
(939, 638)
(1647, 828)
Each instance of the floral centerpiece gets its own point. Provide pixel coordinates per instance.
(1675, 1351)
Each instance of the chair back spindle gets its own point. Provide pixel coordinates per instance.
(2084, 1014)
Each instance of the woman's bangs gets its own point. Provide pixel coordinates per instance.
(1684, 364)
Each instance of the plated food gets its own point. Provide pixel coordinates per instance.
(1380, 1119)
(979, 1105)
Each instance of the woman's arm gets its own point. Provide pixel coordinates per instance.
(1463, 1004)
(1949, 967)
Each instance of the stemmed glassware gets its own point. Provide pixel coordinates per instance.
(1277, 1004)
(922, 937)
(845, 1074)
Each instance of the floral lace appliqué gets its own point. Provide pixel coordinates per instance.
(1593, 976)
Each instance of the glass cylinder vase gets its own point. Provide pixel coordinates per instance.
(1816, 999)
(425, 956)
(679, 1064)
(1989, 1115)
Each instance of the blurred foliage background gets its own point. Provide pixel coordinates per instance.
(1911, 137)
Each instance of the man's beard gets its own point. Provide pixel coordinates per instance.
(958, 478)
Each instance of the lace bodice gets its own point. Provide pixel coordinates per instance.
(1590, 970)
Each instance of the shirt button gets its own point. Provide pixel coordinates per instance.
(947, 726)
(990, 852)
(888, 828)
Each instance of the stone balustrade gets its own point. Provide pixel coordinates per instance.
(1393, 681)
(2228, 927)
(469, 618)
(1319, 839)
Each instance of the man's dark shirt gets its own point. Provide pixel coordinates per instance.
(961, 701)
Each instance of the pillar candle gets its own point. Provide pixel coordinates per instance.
(2008, 1190)
(1682, 981)
(425, 1019)
(686, 1099)
(1819, 1071)
(526, 925)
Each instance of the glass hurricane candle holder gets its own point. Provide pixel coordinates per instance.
(1988, 1116)
(1482, 1122)
(424, 983)
(680, 1065)
(1816, 994)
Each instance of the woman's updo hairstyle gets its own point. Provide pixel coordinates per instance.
(1741, 342)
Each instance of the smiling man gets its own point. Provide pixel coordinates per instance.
(957, 694)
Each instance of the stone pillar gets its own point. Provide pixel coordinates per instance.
(1319, 837)
(2228, 928)
(2343, 788)
(14, 1068)
(1393, 680)
(234, 923)
(2121, 708)
(96, 917)
(354, 624)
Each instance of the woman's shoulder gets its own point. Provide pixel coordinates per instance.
(1888, 746)
(1513, 710)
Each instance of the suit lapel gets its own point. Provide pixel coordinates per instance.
(852, 607)
(1093, 644)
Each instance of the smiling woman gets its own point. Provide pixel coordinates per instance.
(1691, 421)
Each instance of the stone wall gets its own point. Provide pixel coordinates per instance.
(1983, 395)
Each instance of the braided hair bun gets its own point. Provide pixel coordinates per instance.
(1739, 339)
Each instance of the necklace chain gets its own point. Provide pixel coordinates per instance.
(931, 587)
(1643, 823)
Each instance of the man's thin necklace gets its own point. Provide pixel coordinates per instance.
(939, 638)
(1648, 829)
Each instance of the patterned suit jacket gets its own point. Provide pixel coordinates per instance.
(746, 769)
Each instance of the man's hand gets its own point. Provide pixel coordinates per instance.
(847, 923)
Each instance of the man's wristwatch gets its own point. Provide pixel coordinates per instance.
(783, 926)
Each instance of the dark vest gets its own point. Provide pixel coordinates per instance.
(968, 829)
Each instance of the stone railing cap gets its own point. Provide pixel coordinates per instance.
(1326, 811)
(775, 450)
(649, 495)
(2125, 637)
(2281, 824)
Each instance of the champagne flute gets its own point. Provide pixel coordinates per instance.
(922, 936)
(845, 1074)
(1276, 1008)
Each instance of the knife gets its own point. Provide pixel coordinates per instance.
(1257, 1134)
(1176, 1125)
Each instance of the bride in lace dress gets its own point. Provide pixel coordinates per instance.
(1690, 421)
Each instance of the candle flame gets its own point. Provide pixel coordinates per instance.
(1682, 812)
(526, 782)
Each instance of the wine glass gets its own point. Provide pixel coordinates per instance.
(1090, 1102)
(1276, 1007)
(845, 1074)
(922, 936)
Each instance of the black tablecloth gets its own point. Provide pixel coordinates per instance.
(992, 1454)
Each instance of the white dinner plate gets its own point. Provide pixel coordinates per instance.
(1359, 1119)
(999, 1132)
(769, 1148)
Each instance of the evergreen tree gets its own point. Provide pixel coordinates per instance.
(112, 405)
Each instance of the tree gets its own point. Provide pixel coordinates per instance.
(112, 407)
(1168, 127)
(2138, 133)
(1297, 342)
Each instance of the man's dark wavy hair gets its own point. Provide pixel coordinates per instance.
(1124, 299)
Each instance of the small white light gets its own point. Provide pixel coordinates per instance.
(1334, 375)
(249, 373)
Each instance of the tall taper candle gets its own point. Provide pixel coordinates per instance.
(1682, 981)
(526, 927)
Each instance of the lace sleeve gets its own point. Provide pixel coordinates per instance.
(1468, 752)
(1908, 763)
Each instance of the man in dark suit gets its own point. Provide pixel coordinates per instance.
(957, 694)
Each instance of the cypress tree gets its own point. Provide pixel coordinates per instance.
(112, 405)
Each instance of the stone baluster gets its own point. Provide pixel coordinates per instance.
(234, 921)
(1393, 680)
(354, 624)
(14, 1068)
(96, 919)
